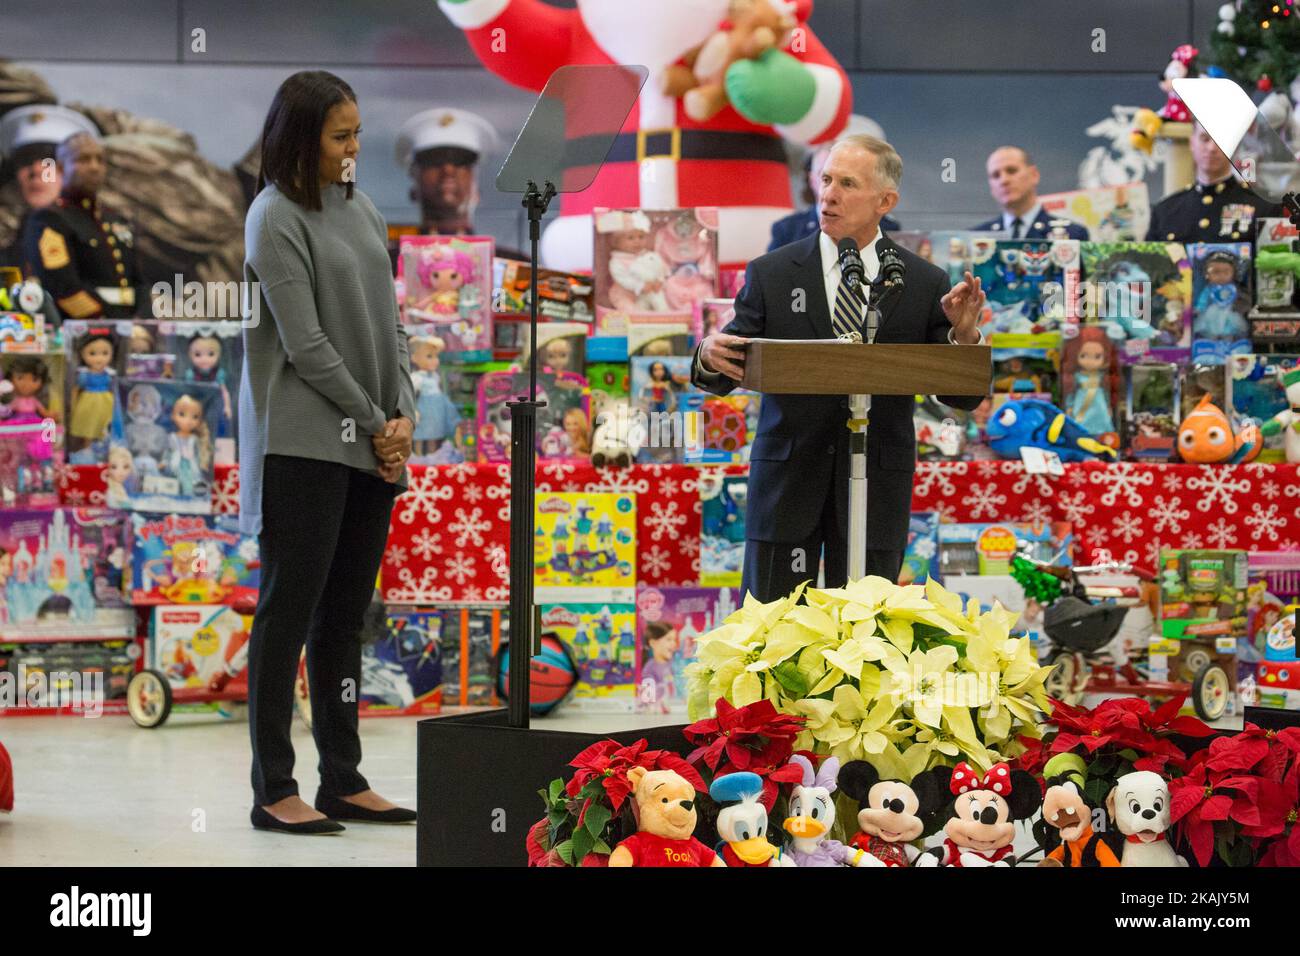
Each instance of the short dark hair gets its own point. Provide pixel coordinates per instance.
(291, 134)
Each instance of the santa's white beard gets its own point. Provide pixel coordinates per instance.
(653, 34)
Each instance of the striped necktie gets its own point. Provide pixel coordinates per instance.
(847, 316)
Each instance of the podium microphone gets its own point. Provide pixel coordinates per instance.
(851, 263)
(891, 269)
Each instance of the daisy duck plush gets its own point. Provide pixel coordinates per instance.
(982, 816)
(812, 813)
(742, 822)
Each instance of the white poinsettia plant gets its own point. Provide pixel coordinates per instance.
(898, 675)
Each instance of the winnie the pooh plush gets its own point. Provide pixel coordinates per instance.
(665, 812)
(752, 28)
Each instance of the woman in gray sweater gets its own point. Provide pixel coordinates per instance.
(325, 432)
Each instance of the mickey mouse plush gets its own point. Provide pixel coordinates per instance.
(982, 815)
(891, 813)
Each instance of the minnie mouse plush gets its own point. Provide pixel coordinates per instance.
(892, 814)
(982, 815)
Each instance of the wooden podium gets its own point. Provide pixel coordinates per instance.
(859, 370)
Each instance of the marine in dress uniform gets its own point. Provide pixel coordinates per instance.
(29, 136)
(83, 253)
(1223, 211)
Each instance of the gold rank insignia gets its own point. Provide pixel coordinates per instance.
(54, 249)
(79, 305)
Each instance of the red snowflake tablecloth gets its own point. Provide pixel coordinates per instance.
(1126, 510)
(450, 533)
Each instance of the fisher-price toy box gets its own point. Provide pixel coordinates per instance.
(974, 548)
(194, 643)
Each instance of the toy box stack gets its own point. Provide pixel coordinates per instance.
(1203, 616)
(584, 561)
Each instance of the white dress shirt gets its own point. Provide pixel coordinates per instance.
(1026, 221)
(831, 272)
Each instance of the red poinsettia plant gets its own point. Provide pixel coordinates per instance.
(587, 816)
(1116, 737)
(755, 738)
(1240, 798)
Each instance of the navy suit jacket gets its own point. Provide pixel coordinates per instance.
(1040, 228)
(800, 455)
(799, 225)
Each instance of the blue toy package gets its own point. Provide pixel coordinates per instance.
(187, 559)
(161, 453)
(402, 672)
(722, 538)
(1030, 283)
(1255, 391)
(1140, 292)
(921, 557)
(1221, 300)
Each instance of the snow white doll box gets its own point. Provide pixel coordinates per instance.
(96, 360)
(669, 623)
(654, 260)
(1221, 299)
(446, 281)
(584, 539)
(401, 672)
(31, 429)
(162, 451)
(192, 559)
(601, 639)
(61, 574)
(1140, 292)
(563, 424)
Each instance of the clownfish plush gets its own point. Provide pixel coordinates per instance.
(1205, 437)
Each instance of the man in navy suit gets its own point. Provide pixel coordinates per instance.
(799, 462)
(799, 225)
(1013, 181)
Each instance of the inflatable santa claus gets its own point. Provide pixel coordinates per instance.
(793, 90)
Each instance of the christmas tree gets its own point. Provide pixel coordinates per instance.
(1257, 43)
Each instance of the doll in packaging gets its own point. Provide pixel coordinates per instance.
(688, 250)
(189, 446)
(437, 415)
(1090, 382)
(26, 401)
(639, 273)
(92, 398)
(205, 366)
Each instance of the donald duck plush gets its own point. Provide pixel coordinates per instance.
(742, 824)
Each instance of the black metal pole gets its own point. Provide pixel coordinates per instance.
(523, 463)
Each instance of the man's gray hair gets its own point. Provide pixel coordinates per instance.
(889, 165)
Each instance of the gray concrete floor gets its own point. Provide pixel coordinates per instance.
(106, 793)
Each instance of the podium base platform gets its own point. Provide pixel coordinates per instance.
(477, 780)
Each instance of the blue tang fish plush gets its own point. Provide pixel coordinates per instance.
(1034, 423)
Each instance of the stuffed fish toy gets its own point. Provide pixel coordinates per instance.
(1205, 437)
(1031, 422)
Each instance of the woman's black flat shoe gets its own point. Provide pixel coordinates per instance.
(337, 809)
(264, 821)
